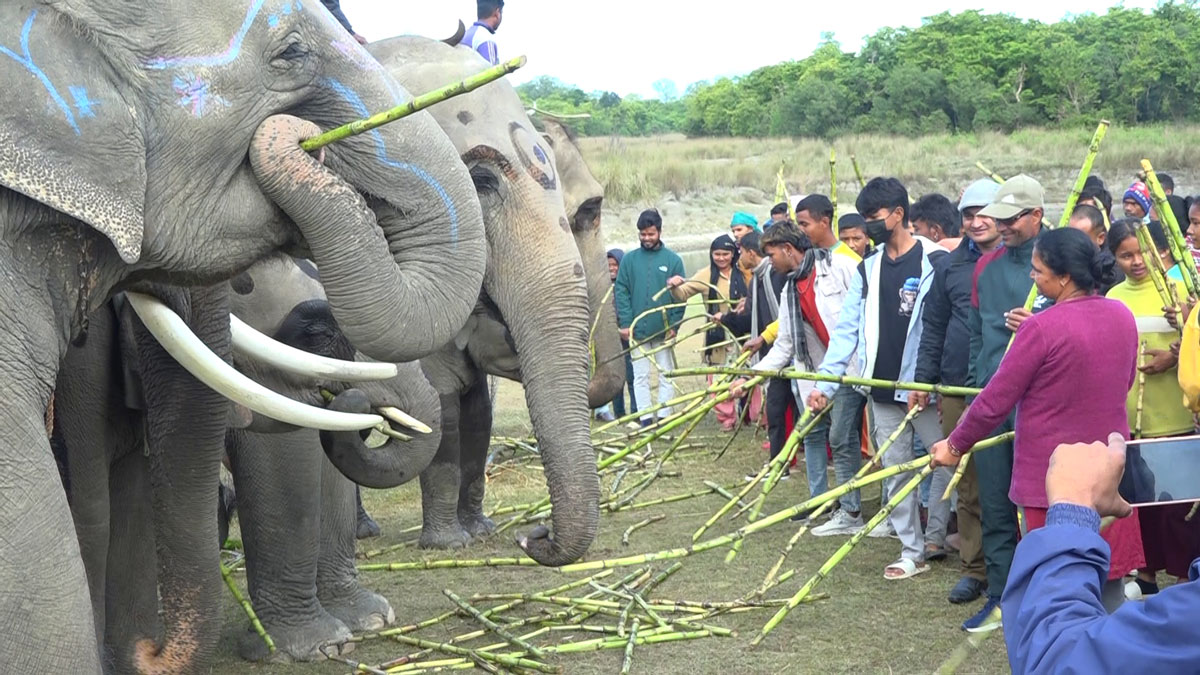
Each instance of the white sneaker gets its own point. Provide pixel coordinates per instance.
(841, 523)
(883, 531)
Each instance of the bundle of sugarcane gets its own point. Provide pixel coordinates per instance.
(1158, 271)
(1173, 230)
(793, 374)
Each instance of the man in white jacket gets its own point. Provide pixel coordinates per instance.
(809, 308)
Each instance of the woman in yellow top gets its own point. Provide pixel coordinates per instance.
(1155, 404)
(718, 281)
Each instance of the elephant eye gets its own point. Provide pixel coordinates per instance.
(294, 51)
(484, 179)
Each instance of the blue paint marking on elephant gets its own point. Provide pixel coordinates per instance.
(194, 94)
(83, 104)
(219, 59)
(26, 60)
(273, 20)
(353, 99)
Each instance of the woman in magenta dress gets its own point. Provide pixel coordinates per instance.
(1067, 374)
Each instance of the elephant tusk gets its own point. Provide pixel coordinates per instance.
(183, 345)
(404, 419)
(253, 344)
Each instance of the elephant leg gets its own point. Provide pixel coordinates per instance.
(365, 527)
(131, 596)
(440, 486)
(337, 579)
(475, 437)
(278, 482)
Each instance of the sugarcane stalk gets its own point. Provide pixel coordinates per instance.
(401, 630)
(637, 526)
(877, 460)
(989, 173)
(833, 189)
(500, 609)
(448, 564)
(723, 492)
(416, 105)
(663, 310)
(792, 374)
(358, 667)
(1158, 272)
(655, 636)
(1084, 172)
(633, 346)
(592, 365)
(959, 472)
(966, 648)
(668, 500)
(627, 662)
(1141, 393)
(841, 553)
(248, 609)
(492, 625)
(776, 472)
(468, 653)
(1174, 231)
(862, 182)
(1192, 514)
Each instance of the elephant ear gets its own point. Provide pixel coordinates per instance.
(68, 138)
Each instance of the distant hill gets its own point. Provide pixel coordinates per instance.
(955, 73)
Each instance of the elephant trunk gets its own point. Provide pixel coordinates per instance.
(379, 274)
(185, 423)
(545, 305)
(396, 462)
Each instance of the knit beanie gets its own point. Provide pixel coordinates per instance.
(1139, 193)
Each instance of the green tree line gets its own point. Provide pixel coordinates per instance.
(955, 72)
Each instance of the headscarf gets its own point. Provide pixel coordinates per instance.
(1139, 193)
(737, 284)
(616, 254)
(745, 219)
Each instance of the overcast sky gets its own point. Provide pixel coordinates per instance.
(626, 45)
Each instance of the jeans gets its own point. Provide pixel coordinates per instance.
(665, 360)
(906, 517)
(618, 403)
(841, 429)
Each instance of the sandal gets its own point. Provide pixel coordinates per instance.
(907, 568)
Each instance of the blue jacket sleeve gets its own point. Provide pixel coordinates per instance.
(675, 314)
(1053, 619)
(844, 341)
(621, 293)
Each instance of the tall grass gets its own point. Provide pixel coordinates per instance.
(638, 170)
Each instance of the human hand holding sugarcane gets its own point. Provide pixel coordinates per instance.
(1161, 360)
(817, 400)
(754, 344)
(918, 399)
(944, 454)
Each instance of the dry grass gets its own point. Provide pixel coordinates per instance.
(703, 180)
(868, 625)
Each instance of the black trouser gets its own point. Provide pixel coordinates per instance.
(619, 402)
(779, 400)
(998, 515)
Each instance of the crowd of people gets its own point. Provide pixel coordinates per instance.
(1063, 330)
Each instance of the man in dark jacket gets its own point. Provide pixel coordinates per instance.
(644, 272)
(944, 358)
(616, 408)
(1001, 288)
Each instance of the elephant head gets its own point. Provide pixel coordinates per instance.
(535, 277)
(283, 298)
(158, 142)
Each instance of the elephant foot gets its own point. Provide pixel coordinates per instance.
(477, 525)
(298, 642)
(360, 609)
(453, 536)
(367, 528)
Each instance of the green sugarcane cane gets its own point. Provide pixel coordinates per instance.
(841, 553)
(968, 646)
(989, 173)
(1178, 245)
(723, 492)
(833, 188)
(358, 667)
(627, 662)
(862, 182)
(1158, 272)
(877, 460)
(792, 374)
(773, 477)
(668, 500)
(461, 651)
(1141, 392)
(633, 346)
(959, 472)
(637, 526)
(592, 332)
(1084, 172)
(417, 104)
(402, 630)
(248, 609)
(499, 609)
(492, 625)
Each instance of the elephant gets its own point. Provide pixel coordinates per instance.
(150, 146)
(302, 578)
(546, 278)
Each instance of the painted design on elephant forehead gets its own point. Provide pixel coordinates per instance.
(26, 60)
(381, 154)
(273, 20)
(542, 171)
(194, 95)
(229, 55)
(82, 103)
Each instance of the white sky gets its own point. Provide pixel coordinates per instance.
(626, 45)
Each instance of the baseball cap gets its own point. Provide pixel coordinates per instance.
(1019, 193)
(979, 193)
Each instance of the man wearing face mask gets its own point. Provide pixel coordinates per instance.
(1000, 290)
(881, 325)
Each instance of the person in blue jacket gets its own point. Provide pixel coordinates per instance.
(1053, 619)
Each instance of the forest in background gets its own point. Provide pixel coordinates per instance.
(955, 73)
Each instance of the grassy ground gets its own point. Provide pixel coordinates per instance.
(698, 183)
(868, 625)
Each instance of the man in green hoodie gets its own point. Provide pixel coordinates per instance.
(998, 297)
(644, 272)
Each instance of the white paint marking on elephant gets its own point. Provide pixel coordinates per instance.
(182, 344)
(251, 343)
